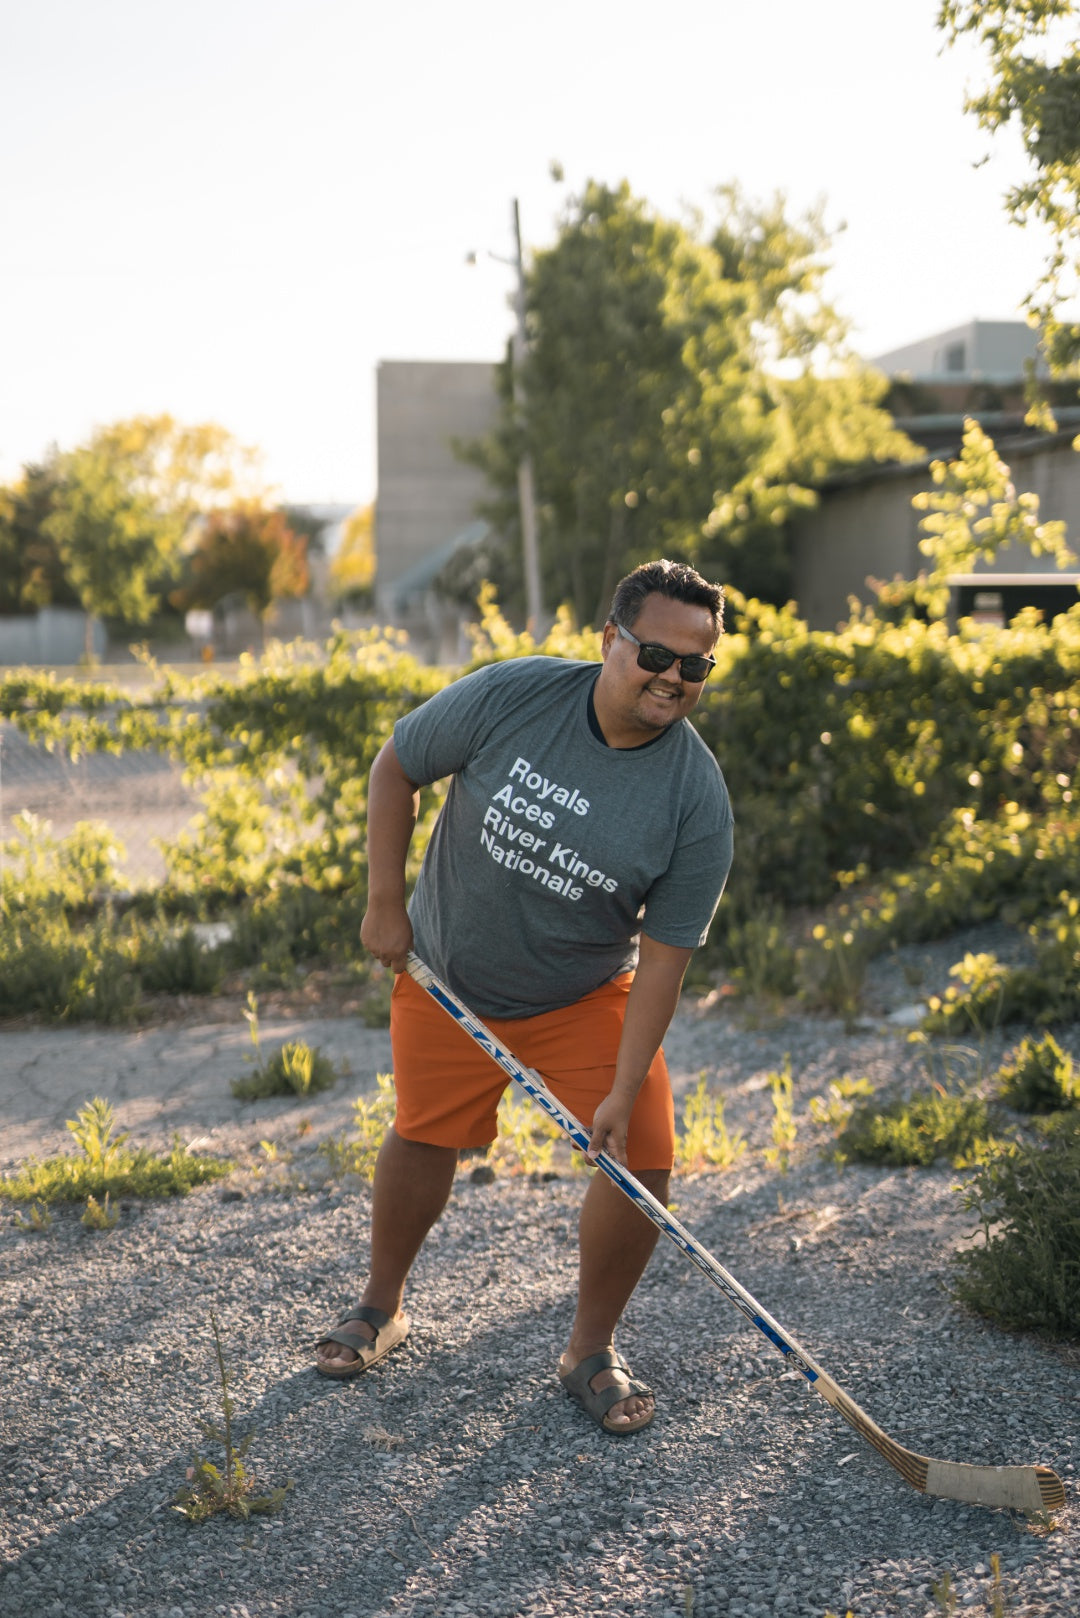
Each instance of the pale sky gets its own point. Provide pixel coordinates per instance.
(231, 210)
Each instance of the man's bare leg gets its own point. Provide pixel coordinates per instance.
(616, 1241)
(412, 1187)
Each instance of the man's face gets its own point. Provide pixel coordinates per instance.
(639, 702)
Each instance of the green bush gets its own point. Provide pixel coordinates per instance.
(1039, 1077)
(920, 779)
(990, 993)
(107, 1167)
(933, 1124)
(1024, 1270)
(295, 1069)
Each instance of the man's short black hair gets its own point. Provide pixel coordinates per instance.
(676, 580)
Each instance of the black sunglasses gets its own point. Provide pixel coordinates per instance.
(654, 658)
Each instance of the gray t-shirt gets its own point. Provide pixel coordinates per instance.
(553, 851)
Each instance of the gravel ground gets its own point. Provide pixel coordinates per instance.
(455, 1478)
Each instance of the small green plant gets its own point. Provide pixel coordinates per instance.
(38, 1219)
(835, 1107)
(100, 1216)
(944, 1593)
(372, 1118)
(932, 1124)
(108, 1166)
(210, 1489)
(997, 1594)
(833, 966)
(1039, 1077)
(758, 954)
(976, 1001)
(92, 1128)
(295, 1069)
(705, 1140)
(1024, 1268)
(526, 1140)
(784, 1127)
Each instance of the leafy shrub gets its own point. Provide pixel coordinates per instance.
(178, 963)
(933, 1124)
(108, 1167)
(372, 1118)
(1039, 1077)
(1024, 1270)
(992, 993)
(295, 1069)
(757, 952)
(71, 872)
(833, 967)
(705, 1142)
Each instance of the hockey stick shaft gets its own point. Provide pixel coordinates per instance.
(1024, 1488)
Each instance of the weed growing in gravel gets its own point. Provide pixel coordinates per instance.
(209, 1489)
(295, 1069)
(833, 966)
(526, 1140)
(784, 1127)
(930, 1125)
(758, 954)
(99, 1215)
(39, 1218)
(108, 1167)
(1039, 1077)
(372, 1118)
(835, 1107)
(944, 1593)
(1026, 1199)
(705, 1142)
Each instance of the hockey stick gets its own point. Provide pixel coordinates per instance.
(1030, 1489)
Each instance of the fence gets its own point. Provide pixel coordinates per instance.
(139, 795)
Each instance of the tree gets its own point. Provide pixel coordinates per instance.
(673, 401)
(31, 568)
(1034, 60)
(974, 510)
(248, 550)
(124, 502)
(352, 568)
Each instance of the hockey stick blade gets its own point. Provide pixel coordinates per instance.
(1030, 1489)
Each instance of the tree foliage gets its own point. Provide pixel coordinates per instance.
(1033, 54)
(352, 568)
(246, 550)
(31, 569)
(975, 511)
(125, 500)
(685, 383)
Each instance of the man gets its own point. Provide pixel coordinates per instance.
(576, 865)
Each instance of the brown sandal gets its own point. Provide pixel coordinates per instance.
(597, 1405)
(388, 1334)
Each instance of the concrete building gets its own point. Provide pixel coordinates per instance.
(427, 499)
(980, 351)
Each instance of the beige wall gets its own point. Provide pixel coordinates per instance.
(425, 494)
(868, 528)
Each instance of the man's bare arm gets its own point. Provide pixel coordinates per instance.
(393, 805)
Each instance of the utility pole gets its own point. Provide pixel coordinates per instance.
(534, 606)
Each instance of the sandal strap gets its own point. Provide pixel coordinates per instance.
(348, 1339)
(364, 1311)
(606, 1360)
(356, 1339)
(613, 1396)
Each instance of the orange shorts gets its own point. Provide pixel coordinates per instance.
(448, 1088)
